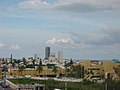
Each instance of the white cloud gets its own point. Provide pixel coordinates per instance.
(87, 5)
(71, 5)
(54, 41)
(15, 47)
(33, 4)
(108, 37)
(1, 45)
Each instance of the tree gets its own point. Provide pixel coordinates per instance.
(71, 61)
(39, 68)
(117, 70)
(24, 61)
(54, 70)
(11, 59)
(73, 68)
(72, 71)
(33, 61)
(75, 71)
(79, 71)
(40, 62)
(21, 68)
(67, 70)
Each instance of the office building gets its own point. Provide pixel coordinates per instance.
(47, 52)
(60, 55)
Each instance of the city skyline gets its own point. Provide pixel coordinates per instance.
(82, 29)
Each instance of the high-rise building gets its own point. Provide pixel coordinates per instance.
(47, 52)
(60, 55)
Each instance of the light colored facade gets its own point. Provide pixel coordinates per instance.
(53, 56)
(60, 55)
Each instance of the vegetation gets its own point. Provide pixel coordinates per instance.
(39, 68)
(85, 85)
(117, 70)
(54, 70)
(21, 68)
(74, 71)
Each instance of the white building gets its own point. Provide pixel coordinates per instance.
(60, 55)
(52, 56)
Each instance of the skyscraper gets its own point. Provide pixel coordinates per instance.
(47, 52)
(60, 55)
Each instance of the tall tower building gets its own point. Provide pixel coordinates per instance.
(60, 55)
(47, 52)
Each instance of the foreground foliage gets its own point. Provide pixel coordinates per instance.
(85, 85)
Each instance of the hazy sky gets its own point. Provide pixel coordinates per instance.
(83, 29)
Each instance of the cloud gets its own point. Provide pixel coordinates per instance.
(87, 5)
(1, 45)
(33, 4)
(108, 37)
(74, 6)
(55, 41)
(15, 47)
(113, 34)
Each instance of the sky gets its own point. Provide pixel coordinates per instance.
(83, 29)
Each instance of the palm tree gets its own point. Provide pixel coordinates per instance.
(54, 70)
(24, 61)
(39, 68)
(21, 68)
(33, 61)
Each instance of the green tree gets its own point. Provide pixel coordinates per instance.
(40, 62)
(72, 72)
(21, 68)
(33, 61)
(39, 68)
(117, 70)
(54, 70)
(24, 61)
(71, 61)
(79, 71)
